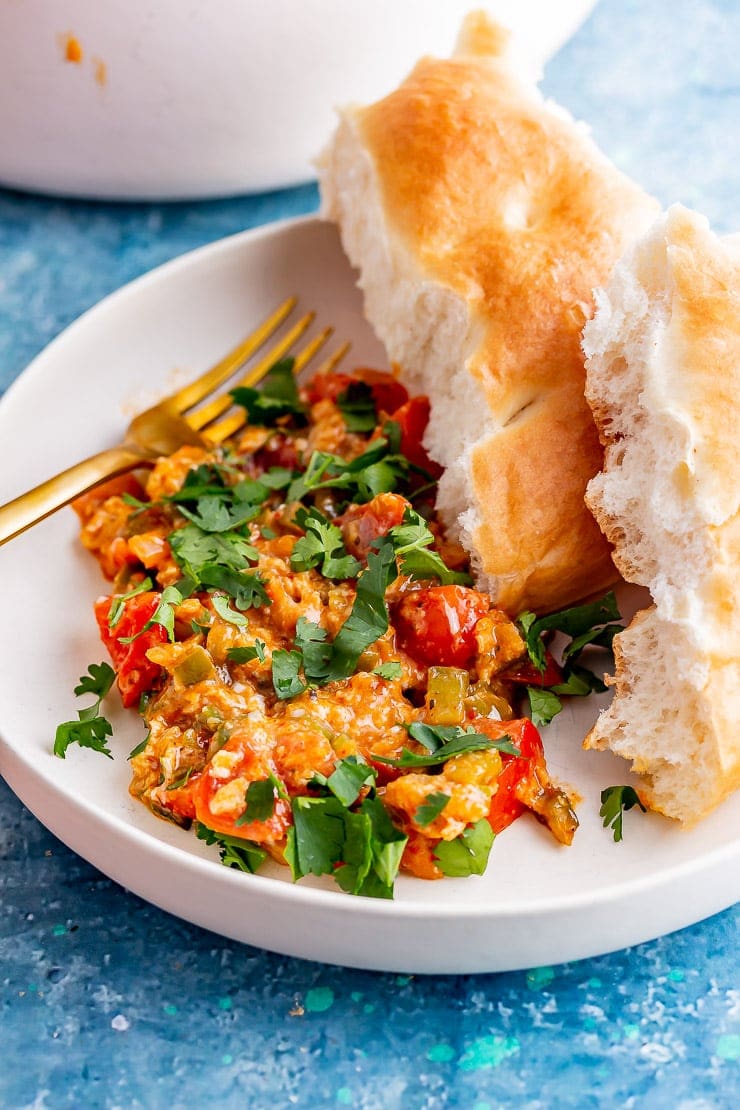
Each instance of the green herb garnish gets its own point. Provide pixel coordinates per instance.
(276, 398)
(243, 855)
(90, 730)
(322, 547)
(247, 654)
(444, 742)
(615, 801)
(357, 406)
(430, 808)
(468, 853)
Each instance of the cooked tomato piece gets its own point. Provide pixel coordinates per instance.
(220, 792)
(437, 625)
(136, 673)
(527, 674)
(518, 771)
(362, 524)
(280, 450)
(388, 393)
(412, 418)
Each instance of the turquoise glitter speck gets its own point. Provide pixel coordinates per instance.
(319, 999)
(676, 975)
(539, 978)
(488, 1052)
(728, 1046)
(441, 1053)
(224, 1003)
(170, 1009)
(344, 1096)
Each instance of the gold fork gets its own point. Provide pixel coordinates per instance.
(174, 421)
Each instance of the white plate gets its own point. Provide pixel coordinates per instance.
(537, 904)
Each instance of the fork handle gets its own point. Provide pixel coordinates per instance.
(43, 500)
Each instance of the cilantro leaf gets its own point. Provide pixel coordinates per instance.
(286, 679)
(375, 471)
(357, 406)
(98, 681)
(247, 590)
(260, 799)
(368, 619)
(543, 705)
(195, 549)
(615, 801)
(318, 834)
(348, 778)
(362, 850)
(388, 843)
(247, 654)
(430, 808)
(322, 546)
(412, 541)
(574, 622)
(468, 853)
(224, 610)
(444, 742)
(243, 855)
(276, 398)
(389, 671)
(211, 515)
(90, 730)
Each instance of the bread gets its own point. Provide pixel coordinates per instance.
(663, 380)
(481, 218)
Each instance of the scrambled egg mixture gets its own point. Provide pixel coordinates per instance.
(319, 679)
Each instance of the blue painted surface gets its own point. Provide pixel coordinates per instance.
(108, 1002)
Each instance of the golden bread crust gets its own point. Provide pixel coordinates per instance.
(490, 194)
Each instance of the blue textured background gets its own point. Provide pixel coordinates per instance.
(107, 1002)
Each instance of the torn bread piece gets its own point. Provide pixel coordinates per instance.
(663, 380)
(481, 217)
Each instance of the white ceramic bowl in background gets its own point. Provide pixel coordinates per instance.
(184, 98)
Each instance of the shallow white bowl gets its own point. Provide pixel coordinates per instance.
(538, 903)
(180, 100)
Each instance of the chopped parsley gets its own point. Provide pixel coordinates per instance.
(247, 654)
(377, 470)
(323, 661)
(468, 853)
(442, 742)
(286, 680)
(360, 848)
(90, 730)
(276, 398)
(412, 541)
(322, 547)
(389, 671)
(587, 627)
(615, 801)
(260, 802)
(357, 406)
(430, 808)
(244, 855)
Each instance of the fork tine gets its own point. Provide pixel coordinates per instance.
(217, 433)
(334, 358)
(195, 391)
(217, 405)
